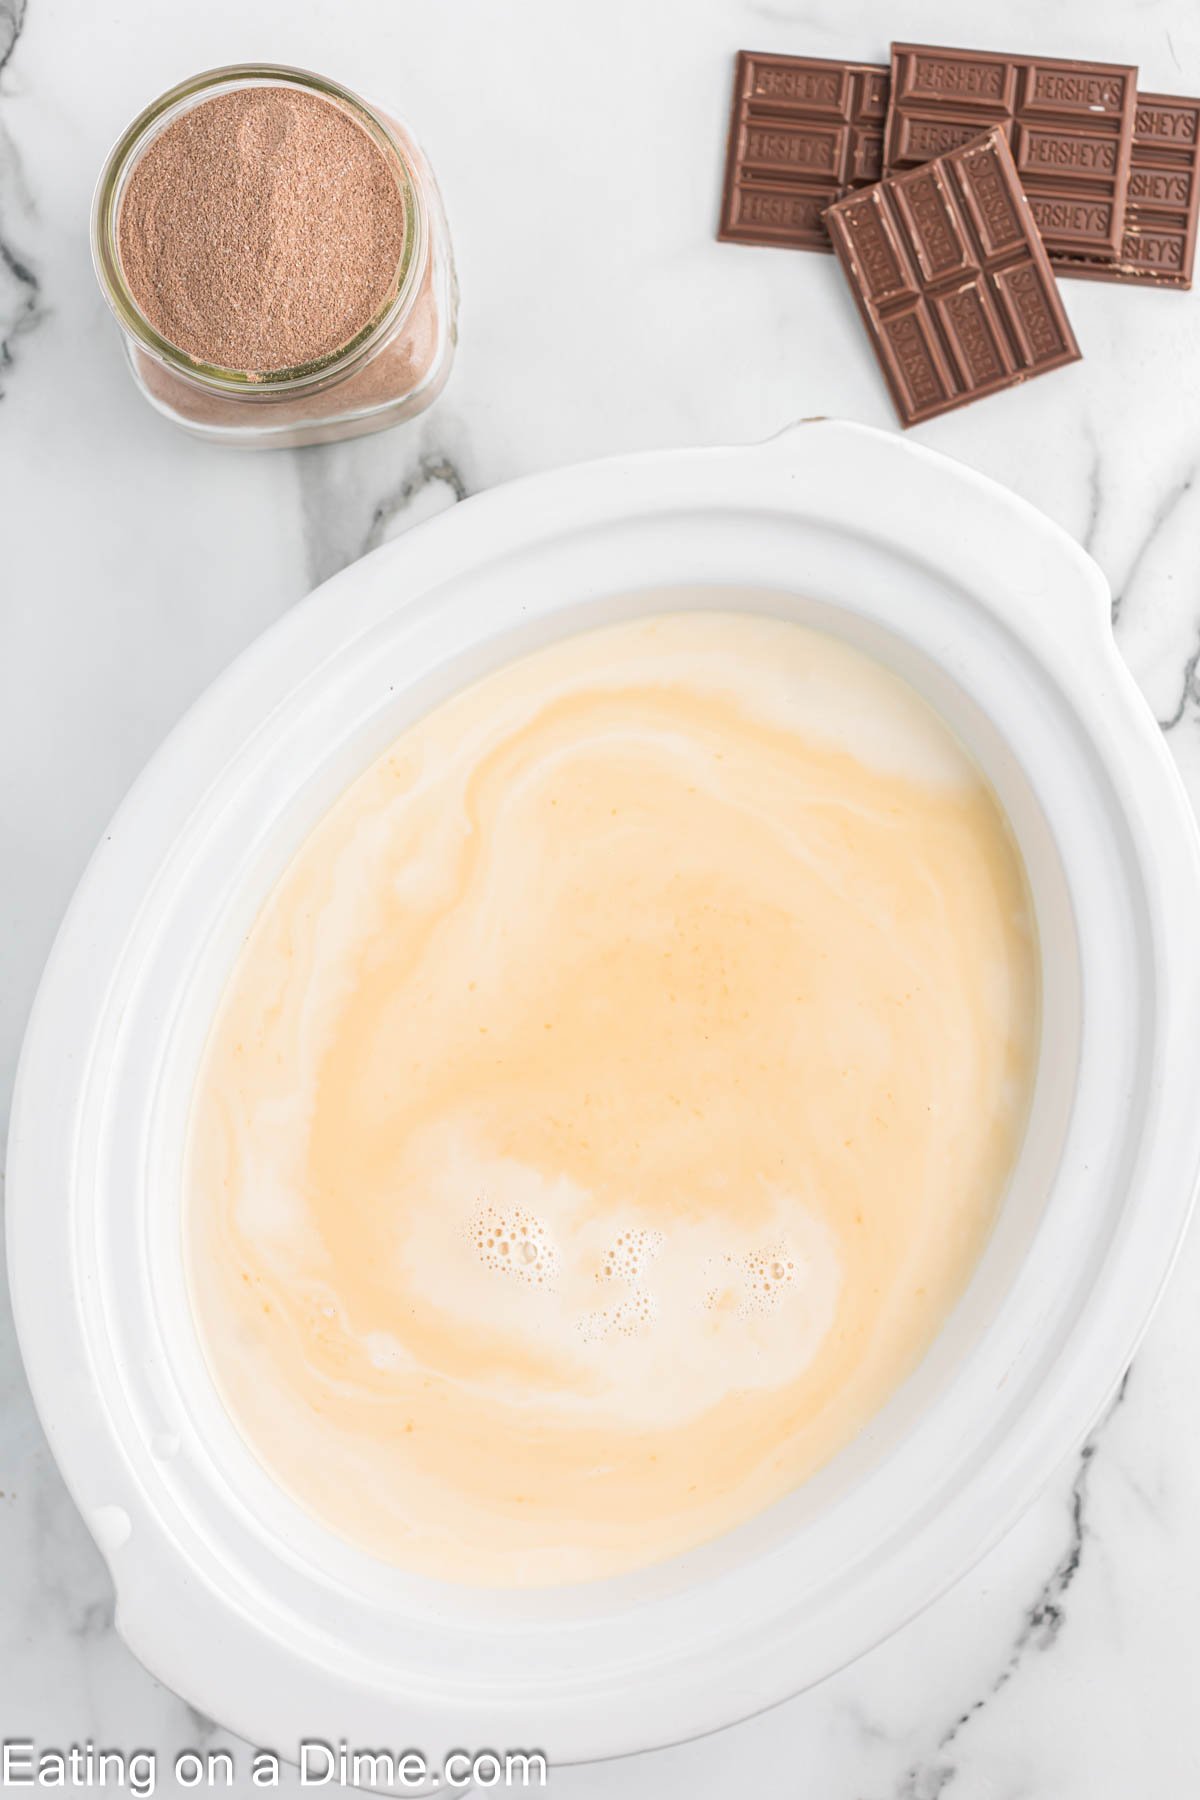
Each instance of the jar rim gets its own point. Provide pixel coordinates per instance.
(106, 207)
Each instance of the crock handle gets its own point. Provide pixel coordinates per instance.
(968, 527)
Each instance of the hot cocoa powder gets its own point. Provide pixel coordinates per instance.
(261, 230)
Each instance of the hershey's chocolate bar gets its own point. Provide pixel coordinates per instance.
(952, 279)
(1158, 248)
(1069, 126)
(803, 132)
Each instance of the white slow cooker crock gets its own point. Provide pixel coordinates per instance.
(229, 1592)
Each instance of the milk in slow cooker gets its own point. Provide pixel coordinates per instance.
(611, 1100)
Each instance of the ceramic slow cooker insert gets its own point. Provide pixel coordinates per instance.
(229, 1592)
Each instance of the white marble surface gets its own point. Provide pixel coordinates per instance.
(579, 149)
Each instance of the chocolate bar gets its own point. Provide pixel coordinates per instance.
(1159, 245)
(952, 279)
(1069, 125)
(803, 132)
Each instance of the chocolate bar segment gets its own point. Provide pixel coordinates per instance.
(1159, 245)
(952, 279)
(803, 132)
(1069, 126)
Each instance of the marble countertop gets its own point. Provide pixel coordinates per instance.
(579, 149)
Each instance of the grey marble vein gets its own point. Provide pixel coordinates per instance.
(431, 469)
(1095, 489)
(21, 303)
(1163, 513)
(340, 524)
(73, 1584)
(1043, 1621)
(1189, 692)
(12, 20)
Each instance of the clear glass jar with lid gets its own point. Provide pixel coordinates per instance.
(394, 365)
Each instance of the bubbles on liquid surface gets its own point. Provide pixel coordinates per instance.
(629, 1317)
(753, 1283)
(629, 1255)
(514, 1242)
(625, 1263)
(644, 1278)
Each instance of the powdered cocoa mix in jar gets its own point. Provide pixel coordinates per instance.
(278, 257)
(262, 230)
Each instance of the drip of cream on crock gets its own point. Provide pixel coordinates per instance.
(611, 1100)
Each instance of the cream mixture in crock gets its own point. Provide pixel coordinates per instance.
(611, 1100)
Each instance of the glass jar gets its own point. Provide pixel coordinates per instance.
(391, 370)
